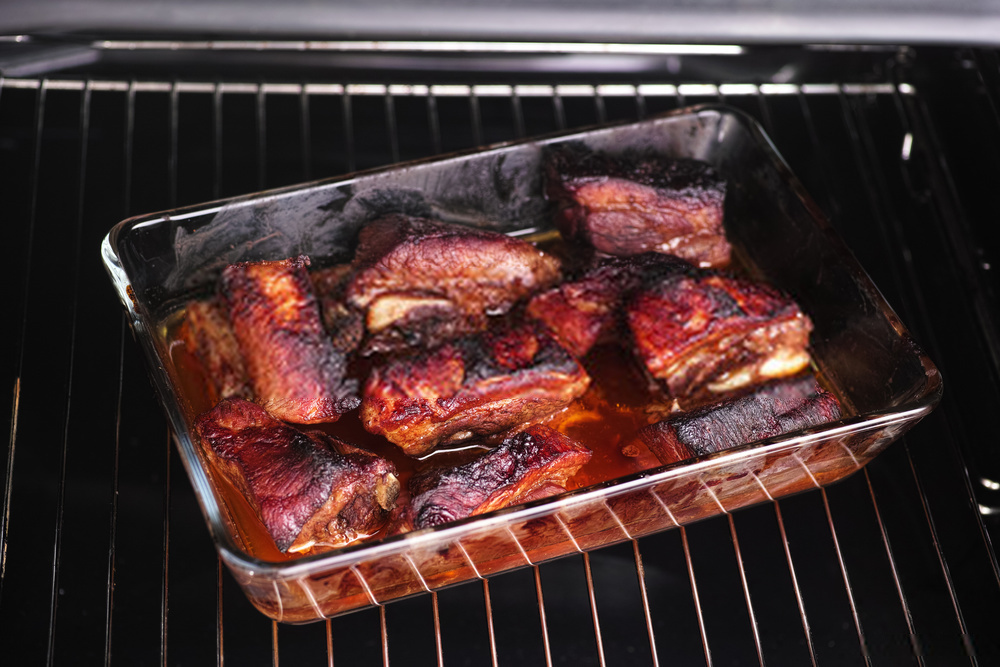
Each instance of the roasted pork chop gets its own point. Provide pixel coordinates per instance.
(772, 409)
(633, 204)
(308, 488)
(420, 282)
(475, 385)
(536, 459)
(296, 372)
(704, 333)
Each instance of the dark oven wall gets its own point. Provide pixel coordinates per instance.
(105, 553)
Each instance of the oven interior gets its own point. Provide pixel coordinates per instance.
(105, 554)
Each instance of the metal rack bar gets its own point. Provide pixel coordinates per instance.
(220, 643)
(918, 652)
(434, 121)
(477, 118)
(746, 589)
(679, 90)
(641, 574)
(261, 139)
(558, 109)
(174, 129)
(275, 659)
(593, 609)
(694, 595)
(392, 130)
(640, 104)
(109, 603)
(305, 131)
(385, 636)
(541, 614)
(217, 140)
(165, 573)
(795, 580)
(439, 650)
(599, 108)
(329, 645)
(489, 623)
(946, 570)
(61, 502)
(348, 131)
(847, 579)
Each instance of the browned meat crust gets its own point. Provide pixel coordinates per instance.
(476, 385)
(704, 333)
(420, 282)
(296, 373)
(309, 489)
(773, 409)
(629, 205)
(583, 312)
(209, 337)
(527, 462)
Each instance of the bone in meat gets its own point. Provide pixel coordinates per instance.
(772, 409)
(420, 282)
(588, 310)
(308, 488)
(475, 385)
(704, 333)
(631, 204)
(296, 373)
(536, 459)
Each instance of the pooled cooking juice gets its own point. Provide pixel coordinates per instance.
(619, 401)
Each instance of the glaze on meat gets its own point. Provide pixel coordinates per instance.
(420, 282)
(296, 372)
(475, 385)
(538, 459)
(635, 204)
(704, 333)
(772, 409)
(308, 488)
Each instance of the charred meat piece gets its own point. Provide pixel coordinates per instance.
(345, 325)
(704, 333)
(629, 205)
(309, 489)
(583, 312)
(475, 385)
(296, 373)
(534, 459)
(209, 337)
(773, 409)
(420, 282)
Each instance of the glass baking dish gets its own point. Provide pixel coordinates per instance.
(861, 350)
